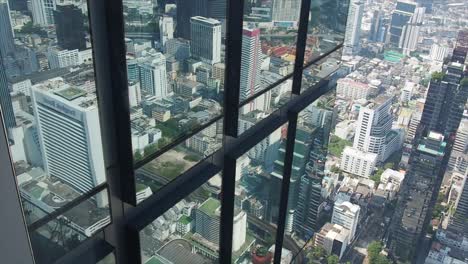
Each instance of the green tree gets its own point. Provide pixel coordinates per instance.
(373, 251)
(333, 259)
(137, 156)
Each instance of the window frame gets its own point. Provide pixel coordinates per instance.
(128, 219)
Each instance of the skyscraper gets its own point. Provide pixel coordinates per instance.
(7, 45)
(69, 25)
(166, 29)
(6, 106)
(153, 76)
(206, 39)
(457, 222)
(410, 33)
(286, 10)
(250, 64)
(377, 29)
(353, 27)
(418, 195)
(43, 12)
(374, 132)
(400, 18)
(461, 49)
(70, 136)
(346, 215)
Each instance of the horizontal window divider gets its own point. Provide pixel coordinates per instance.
(326, 54)
(90, 251)
(165, 198)
(266, 89)
(310, 95)
(69, 206)
(174, 143)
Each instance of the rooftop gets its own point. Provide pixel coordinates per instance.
(70, 93)
(210, 206)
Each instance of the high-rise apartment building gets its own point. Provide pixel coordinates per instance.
(7, 45)
(69, 25)
(459, 157)
(43, 12)
(358, 162)
(67, 116)
(153, 76)
(205, 39)
(353, 27)
(378, 30)
(285, 10)
(166, 29)
(410, 33)
(250, 63)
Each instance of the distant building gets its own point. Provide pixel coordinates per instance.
(333, 238)
(353, 27)
(6, 106)
(358, 162)
(285, 10)
(43, 12)
(401, 16)
(350, 89)
(70, 136)
(166, 29)
(153, 77)
(205, 39)
(7, 45)
(61, 58)
(346, 215)
(70, 28)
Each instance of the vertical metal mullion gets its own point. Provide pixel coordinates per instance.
(287, 169)
(235, 13)
(292, 125)
(300, 46)
(107, 34)
(233, 56)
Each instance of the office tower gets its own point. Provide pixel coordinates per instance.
(457, 224)
(400, 18)
(133, 71)
(445, 100)
(206, 39)
(70, 136)
(333, 238)
(69, 25)
(358, 162)
(438, 53)
(353, 27)
(459, 157)
(153, 77)
(7, 45)
(43, 12)
(285, 10)
(62, 58)
(418, 194)
(166, 29)
(6, 106)
(187, 9)
(217, 9)
(308, 203)
(346, 215)
(377, 27)
(374, 132)
(250, 64)
(351, 89)
(461, 48)
(179, 48)
(410, 33)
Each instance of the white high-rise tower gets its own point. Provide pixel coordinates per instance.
(43, 12)
(166, 29)
(353, 27)
(206, 39)
(286, 10)
(70, 136)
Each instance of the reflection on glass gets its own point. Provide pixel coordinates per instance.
(62, 234)
(310, 179)
(258, 190)
(175, 69)
(165, 168)
(268, 44)
(328, 68)
(266, 103)
(188, 232)
(109, 259)
(49, 104)
(327, 24)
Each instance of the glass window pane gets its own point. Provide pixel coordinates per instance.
(307, 209)
(327, 24)
(188, 232)
(49, 104)
(175, 68)
(265, 104)
(328, 68)
(109, 259)
(258, 191)
(62, 234)
(268, 43)
(171, 164)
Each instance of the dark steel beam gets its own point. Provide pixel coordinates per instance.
(90, 251)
